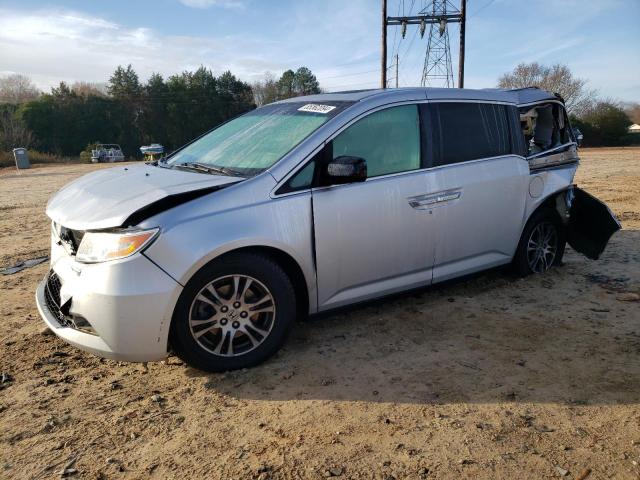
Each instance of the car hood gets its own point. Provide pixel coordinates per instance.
(107, 198)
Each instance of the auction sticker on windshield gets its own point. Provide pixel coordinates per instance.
(316, 108)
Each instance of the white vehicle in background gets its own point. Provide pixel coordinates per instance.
(107, 153)
(152, 151)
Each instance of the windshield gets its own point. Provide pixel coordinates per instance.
(251, 143)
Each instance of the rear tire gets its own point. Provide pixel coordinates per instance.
(542, 244)
(234, 313)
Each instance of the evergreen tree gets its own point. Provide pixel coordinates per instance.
(124, 83)
(305, 82)
(154, 112)
(286, 85)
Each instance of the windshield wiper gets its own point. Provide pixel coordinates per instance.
(202, 167)
(161, 162)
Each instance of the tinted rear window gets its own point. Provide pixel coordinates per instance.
(468, 131)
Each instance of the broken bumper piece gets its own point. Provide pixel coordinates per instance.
(591, 223)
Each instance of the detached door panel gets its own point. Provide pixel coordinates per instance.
(591, 224)
(372, 238)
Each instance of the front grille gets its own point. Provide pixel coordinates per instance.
(52, 299)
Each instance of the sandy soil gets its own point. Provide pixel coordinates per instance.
(492, 377)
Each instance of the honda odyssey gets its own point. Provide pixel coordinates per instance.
(309, 204)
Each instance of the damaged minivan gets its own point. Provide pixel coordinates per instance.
(309, 204)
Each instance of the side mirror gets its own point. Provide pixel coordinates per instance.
(345, 169)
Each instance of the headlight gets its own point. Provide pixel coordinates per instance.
(102, 246)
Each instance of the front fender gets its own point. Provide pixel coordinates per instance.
(284, 224)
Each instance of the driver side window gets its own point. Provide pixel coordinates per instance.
(389, 140)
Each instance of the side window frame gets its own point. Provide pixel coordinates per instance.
(426, 136)
(421, 159)
(316, 159)
(518, 144)
(325, 153)
(563, 146)
(436, 148)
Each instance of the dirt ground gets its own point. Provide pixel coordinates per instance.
(491, 377)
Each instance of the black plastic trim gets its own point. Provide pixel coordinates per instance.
(591, 224)
(426, 136)
(556, 166)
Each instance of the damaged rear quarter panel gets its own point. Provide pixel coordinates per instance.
(590, 223)
(553, 180)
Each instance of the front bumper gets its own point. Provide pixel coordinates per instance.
(128, 303)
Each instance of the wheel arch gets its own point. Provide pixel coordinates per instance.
(555, 205)
(555, 202)
(285, 260)
(290, 267)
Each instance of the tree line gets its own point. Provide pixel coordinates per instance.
(603, 122)
(129, 112)
(175, 110)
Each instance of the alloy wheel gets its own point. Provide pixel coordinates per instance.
(232, 315)
(542, 247)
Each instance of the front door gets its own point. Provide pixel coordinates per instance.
(375, 237)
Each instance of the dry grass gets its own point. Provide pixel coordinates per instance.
(35, 157)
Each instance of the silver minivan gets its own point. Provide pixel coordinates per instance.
(310, 204)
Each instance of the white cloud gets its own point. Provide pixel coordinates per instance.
(58, 45)
(213, 3)
(61, 45)
(342, 50)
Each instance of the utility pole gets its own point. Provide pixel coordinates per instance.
(396, 70)
(383, 72)
(463, 21)
(437, 14)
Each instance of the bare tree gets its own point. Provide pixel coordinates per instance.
(17, 89)
(13, 132)
(556, 79)
(266, 90)
(84, 89)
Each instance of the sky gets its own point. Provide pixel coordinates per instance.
(339, 40)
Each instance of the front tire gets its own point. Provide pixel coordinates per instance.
(234, 313)
(542, 244)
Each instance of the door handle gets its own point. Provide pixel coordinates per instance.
(422, 202)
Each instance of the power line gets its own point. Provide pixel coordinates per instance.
(437, 14)
(406, 50)
(395, 34)
(483, 7)
(355, 74)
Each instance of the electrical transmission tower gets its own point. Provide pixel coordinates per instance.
(438, 69)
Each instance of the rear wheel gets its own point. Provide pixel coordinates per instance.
(234, 313)
(541, 245)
